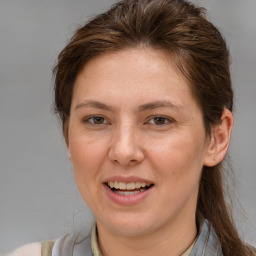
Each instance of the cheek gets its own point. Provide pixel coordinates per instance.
(178, 166)
(86, 155)
(87, 159)
(178, 158)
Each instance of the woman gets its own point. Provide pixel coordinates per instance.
(145, 99)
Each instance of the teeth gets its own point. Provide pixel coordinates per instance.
(127, 193)
(111, 184)
(127, 186)
(143, 185)
(130, 186)
(122, 185)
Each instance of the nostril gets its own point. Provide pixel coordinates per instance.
(125, 151)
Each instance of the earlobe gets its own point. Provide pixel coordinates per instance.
(69, 157)
(219, 140)
(66, 136)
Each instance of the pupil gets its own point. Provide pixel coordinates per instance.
(98, 120)
(159, 120)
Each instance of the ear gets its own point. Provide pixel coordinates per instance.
(219, 140)
(66, 136)
(69, 156)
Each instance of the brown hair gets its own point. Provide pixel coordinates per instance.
(181, 30)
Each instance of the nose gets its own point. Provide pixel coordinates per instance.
(125, 148)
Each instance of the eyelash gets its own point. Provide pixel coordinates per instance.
(91, 120)
(167, 120)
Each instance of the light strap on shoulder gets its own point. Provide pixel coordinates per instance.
(46, 248)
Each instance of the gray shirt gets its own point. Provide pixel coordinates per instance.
(207, 244)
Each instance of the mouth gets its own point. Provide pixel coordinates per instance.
(127, 189)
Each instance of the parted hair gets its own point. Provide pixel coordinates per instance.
(179, 29)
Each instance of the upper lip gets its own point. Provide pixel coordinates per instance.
(127, 179)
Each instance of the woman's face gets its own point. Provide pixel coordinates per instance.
(137, 142)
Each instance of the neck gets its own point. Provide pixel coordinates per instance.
(171, 240)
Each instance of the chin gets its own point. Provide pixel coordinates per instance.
(129, 224)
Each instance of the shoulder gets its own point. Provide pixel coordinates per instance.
(33, 249)
(72, 244)
(251, 249)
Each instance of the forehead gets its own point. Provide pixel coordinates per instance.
(135, 73)
(133, 59)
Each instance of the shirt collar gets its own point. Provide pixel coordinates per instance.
(96, 250)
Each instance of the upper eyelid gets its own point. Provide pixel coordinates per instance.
(171, 120)
(94, 116)
(161, 116)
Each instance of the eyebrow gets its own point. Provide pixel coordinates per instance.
(141, 108)
(94, 104)
(160, 104)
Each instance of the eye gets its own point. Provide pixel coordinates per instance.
(97, 120)
(160, 120)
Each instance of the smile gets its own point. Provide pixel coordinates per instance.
(127, 189)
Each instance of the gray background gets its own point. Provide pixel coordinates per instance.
(38, 196)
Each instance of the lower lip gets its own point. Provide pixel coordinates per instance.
(130, 199)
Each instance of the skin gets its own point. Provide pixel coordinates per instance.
(127, 140)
